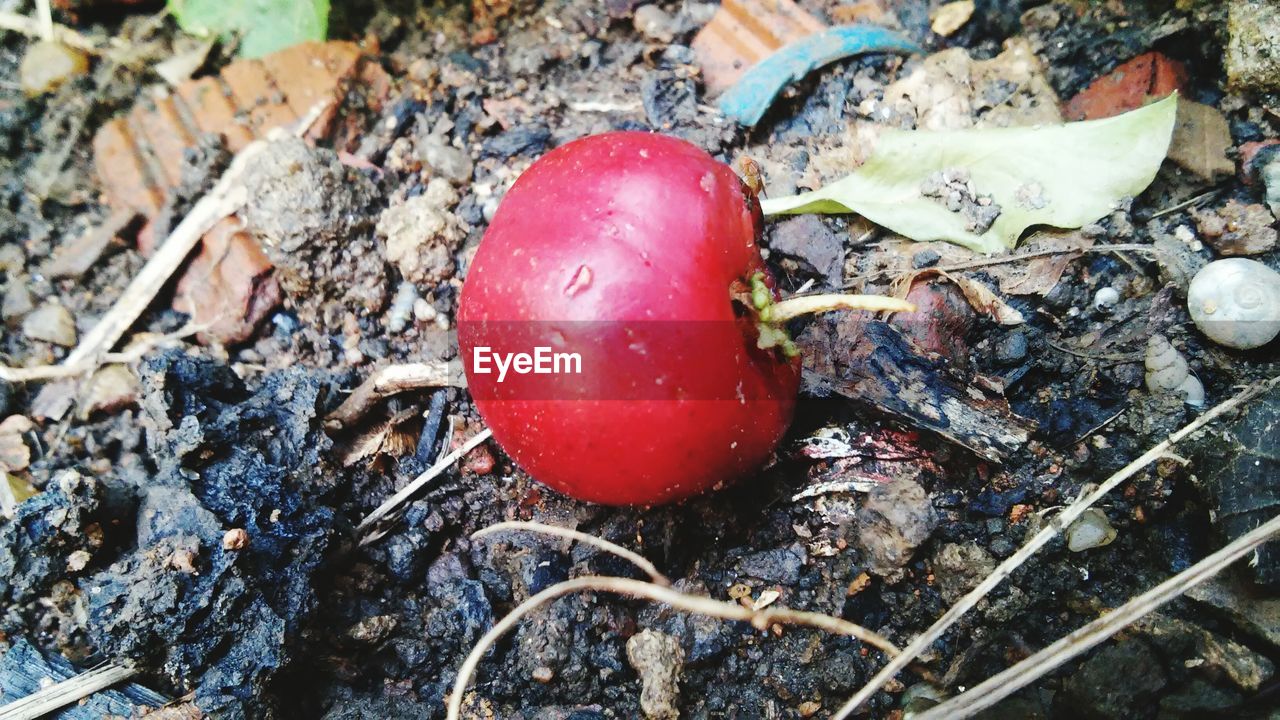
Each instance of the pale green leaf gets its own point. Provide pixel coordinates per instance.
(1062, 176)
(264, 26)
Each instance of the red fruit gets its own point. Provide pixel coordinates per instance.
(637, 252)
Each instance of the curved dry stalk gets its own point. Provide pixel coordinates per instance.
(988, 262)
(387, 381)
(1013, 562)
(59, 695)
(794, 307)
(631, 556)
(681, 601)
(1003, 684)
(407, 491)
(33, 27)
(130, 354)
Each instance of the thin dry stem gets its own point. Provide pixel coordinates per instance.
(31, 27)
(44, 14)
(389, 381)
(760, 619)
(629, 555)
(795, 307)
(999, 686)
(128, 355)
(1060, 521)
(226, 197)
(988, 262)
(419, 482)
(59, 695)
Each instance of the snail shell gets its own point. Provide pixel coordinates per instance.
(1236, 302)
(1167, 372)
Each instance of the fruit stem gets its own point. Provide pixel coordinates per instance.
(790, 308)
(771, 315)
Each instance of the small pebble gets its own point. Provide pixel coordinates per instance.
(50, 323)
(423, 311)
(47, 64)
(658, 659)
(1012, 348)
(1106, 299)
(402, 307)
(235, 539)
(184, 561)
(489, 209)
(448, 161)
(1091, 530)
(1270, 175)
(925, 258)
(17, 300)
(77, 560)
(654, 23)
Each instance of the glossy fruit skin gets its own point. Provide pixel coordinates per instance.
(607, 239)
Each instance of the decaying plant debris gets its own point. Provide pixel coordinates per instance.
(224, 528)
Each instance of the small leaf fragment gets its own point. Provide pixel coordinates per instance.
(948, 185)
(264, 25)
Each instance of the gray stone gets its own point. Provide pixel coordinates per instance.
(1252, 55)
(658, 659)
(50, 323)
(17, 300)
(957, 569)
(1116, 682)
(896, 518)
(778, 566)
(1255, 613)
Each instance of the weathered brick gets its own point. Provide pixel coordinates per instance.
(1130, 86)
(744, 32)
(228, 286)
(228, 283)
(138, 156)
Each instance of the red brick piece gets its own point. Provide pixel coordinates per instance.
(1147, 77)
(229, 285)
(744, 32)
(138, 156)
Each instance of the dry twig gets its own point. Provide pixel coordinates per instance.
(59, 695)
(1059, 522)
(629, 555)
(32, 27)
(419, 482)
(988, 262)
(226, 197)
(44, 14)
(760, 619)
(130, 354)
(386, 382)
(996, 688)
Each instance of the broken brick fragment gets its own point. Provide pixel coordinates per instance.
(744, 32)
(138, 157)
(229, 285)
(1147, 77)
(1249, 153)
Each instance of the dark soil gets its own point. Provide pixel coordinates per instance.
(126, 553)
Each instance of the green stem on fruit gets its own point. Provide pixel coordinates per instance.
(773, 314)
(791, 308)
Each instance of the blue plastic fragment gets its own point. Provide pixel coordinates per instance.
(749, 98)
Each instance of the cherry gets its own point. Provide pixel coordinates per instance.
(639, 255)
